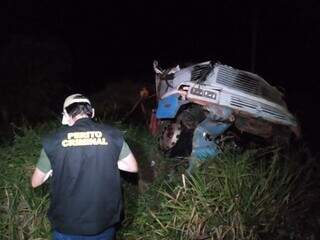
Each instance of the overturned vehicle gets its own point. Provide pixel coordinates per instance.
(201, 105)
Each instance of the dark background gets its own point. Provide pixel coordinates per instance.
(49, 49)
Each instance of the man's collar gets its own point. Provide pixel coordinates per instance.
(83, 119)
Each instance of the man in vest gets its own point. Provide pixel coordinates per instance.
(84, 160)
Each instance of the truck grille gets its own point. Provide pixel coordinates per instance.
(248, 83)
(257, 107)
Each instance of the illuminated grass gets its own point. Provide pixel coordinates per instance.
(250, 195)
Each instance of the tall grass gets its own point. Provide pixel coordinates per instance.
(249, 195)
(235, 196)
(23, 209)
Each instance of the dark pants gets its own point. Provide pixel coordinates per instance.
(108, 234)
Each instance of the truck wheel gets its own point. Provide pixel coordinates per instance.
(175, 139)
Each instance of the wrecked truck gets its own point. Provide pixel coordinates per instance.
(197, 105)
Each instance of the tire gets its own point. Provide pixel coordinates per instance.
(175, 139)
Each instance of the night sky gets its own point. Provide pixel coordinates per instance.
(107, 40)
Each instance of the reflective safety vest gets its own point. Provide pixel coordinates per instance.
(85, 190)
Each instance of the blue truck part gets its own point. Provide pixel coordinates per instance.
(168, 107)
(203, 143)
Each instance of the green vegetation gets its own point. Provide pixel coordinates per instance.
(256, 194)
(23, 210)
(250, 195)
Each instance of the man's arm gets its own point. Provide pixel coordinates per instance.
(42, 171)
(37, 178)
(128, 164)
